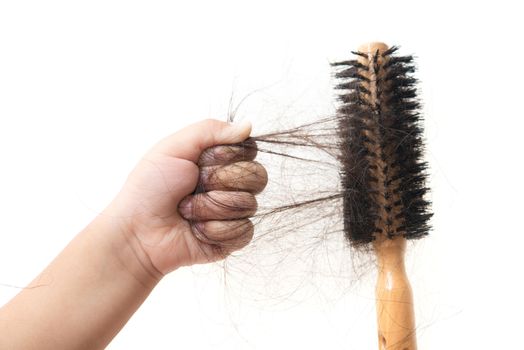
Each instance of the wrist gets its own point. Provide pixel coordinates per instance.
(85, 296)
(125, 249)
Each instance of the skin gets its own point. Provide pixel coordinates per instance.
(153, 226)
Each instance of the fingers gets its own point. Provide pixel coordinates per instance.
(219, 218)
(239, 176)
(218, 205)
(227, 154)
(231, 168)
(228, 180)
(191, 141)
(232, 235)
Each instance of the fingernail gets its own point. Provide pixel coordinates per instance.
(185, 208)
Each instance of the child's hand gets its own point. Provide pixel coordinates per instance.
(168, 224)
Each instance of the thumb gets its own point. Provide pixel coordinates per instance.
(192, 140)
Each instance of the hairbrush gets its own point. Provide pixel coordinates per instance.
(374, 145)
(383, 177)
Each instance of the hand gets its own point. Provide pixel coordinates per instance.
(157, 223)
(168, 223)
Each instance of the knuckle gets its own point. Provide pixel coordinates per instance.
(250, 147)
(210, 123)
(247, 234)
(248, 229)
(249, 202)
(260, 174)
(227, 154)
(218, 205)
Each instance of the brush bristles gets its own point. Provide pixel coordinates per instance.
(383, 174)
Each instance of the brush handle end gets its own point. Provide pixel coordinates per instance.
(394, 298)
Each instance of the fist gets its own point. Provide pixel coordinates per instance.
(188, 201)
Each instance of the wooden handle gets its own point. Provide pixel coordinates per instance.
(394, 298)
(396, 320)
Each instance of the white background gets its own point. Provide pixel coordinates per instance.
(87, 87)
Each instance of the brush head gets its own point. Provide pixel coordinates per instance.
(383, 172)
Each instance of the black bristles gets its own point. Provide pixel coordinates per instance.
(361, 54)
(383, 173)
(390, 51)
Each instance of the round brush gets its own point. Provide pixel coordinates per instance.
(383, 177)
